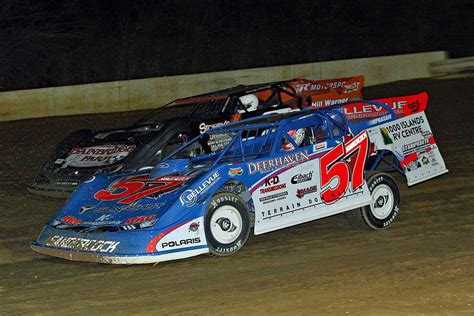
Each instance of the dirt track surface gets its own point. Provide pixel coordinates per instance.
(423, 264)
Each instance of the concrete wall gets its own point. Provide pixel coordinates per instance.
(152, 92)
(452, 66)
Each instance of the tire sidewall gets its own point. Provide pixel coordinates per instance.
(218, 200)
(373, 182)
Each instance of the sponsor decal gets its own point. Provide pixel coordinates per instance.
(291, 208)
(103, 220)
(130, 207)
(71, 220)
(277, 162)
(274, 197)
(272, 184)
(319, 86)
(236, 171)
(75, 243)
(281, 210)
(406, 128)
(386, 136)
(218, 141)
(320, 146)
(162, 165)
(328, 102)
(189, 197)
(193, 227)
(348, 88)
(364, 110)
(97, 155)
(273, 188)
(299, 178)
(417, 146)
(300, 193)
(182, 242)
(412, 107)
(203, 127)
(86, 208)
(380, 119)
(140, 219)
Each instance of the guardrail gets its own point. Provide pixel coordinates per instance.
(153, 92)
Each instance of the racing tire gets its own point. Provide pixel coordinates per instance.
(385, 208)
(226, 224)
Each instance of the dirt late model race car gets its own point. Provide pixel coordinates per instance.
(86, 152)
(274, 171)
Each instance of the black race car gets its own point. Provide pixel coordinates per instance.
(86, 152)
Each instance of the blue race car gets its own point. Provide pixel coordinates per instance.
(270, 172)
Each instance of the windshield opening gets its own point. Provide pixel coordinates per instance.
(229, 145)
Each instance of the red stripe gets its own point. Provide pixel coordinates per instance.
(151, 247)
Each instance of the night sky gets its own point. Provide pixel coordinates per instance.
(51, 43)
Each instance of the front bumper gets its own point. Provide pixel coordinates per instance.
(114, 259)
(121, 247)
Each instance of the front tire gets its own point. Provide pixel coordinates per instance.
(227, 224)
(384, 210)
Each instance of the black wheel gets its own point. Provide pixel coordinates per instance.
(385, 208)
(226, 224)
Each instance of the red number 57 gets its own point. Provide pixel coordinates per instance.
(339, 164)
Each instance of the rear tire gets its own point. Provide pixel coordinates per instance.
(385, 208)
(227, 224)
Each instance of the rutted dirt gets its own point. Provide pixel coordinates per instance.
(423, 264)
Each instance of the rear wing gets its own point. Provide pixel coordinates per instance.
(357, 112)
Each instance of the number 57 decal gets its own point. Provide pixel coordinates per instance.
(132, 189)
(340, 164)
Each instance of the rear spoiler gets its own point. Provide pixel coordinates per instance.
(403, 106)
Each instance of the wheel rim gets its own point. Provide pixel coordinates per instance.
(226, 224)
(383, 201)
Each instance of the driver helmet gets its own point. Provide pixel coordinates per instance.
(250, 102)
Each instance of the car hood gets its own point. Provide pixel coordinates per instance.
(132, 201)
(103, 148)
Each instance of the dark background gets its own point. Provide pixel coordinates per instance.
(52, 43)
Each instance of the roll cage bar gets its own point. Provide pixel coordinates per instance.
(281, 122)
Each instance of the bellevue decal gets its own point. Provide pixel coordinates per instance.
(189, 197)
